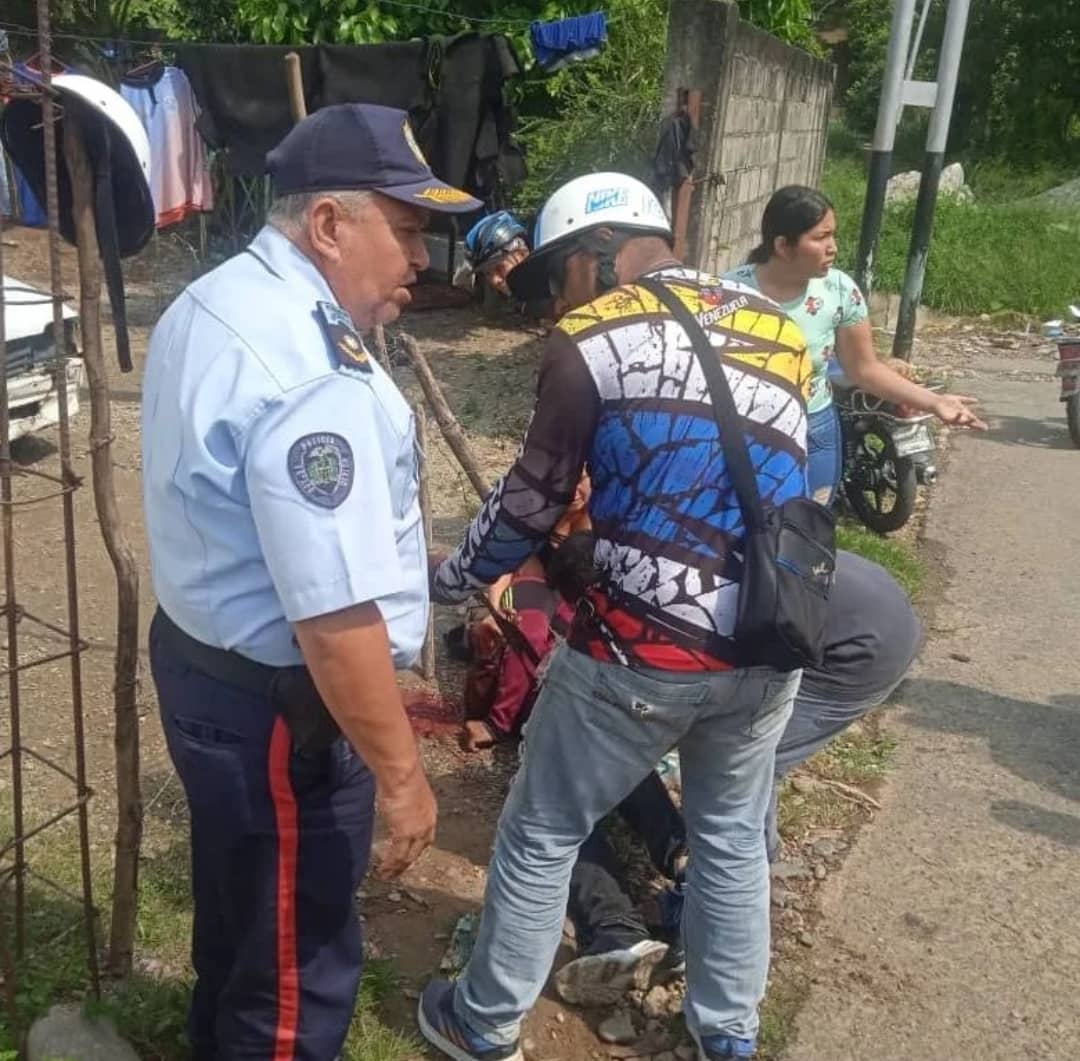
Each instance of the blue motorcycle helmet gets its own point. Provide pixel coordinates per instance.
(492, 237)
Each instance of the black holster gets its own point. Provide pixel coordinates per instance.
(293, 695)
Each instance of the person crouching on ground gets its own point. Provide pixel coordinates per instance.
(651, 659)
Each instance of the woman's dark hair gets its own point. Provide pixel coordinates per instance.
(790, 213)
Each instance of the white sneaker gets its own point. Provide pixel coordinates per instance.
(602, 979)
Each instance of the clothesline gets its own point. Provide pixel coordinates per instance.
(233, 95)
(555, 44)
(18, 29)
(231, 99)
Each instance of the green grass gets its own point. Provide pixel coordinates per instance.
(800, 815)
(1003, 253)
(788, 987)
(151, 1010)
(999, 181)
(857, 757)
(894, 554)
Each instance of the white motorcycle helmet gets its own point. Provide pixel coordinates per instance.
(597, 200)
(127, 149)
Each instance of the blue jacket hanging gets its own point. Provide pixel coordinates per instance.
(569, 40)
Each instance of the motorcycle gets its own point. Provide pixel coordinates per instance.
(1068, 371)
(888, 452)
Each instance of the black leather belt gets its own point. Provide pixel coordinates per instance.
(290, 691)
(219, 663)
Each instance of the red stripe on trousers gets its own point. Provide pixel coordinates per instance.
(285, 813)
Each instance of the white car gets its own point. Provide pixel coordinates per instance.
(31, 352)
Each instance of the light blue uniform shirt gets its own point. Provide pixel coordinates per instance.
(278, 484)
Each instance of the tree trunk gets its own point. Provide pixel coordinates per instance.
(125, 674)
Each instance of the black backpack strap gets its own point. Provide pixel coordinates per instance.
(732, 435)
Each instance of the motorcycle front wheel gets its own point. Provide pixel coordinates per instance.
(879, 485)
(1072, 413)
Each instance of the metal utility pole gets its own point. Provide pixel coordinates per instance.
(952, 47)
(889, 110)
(913, 57)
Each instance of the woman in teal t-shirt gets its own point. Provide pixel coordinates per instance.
(794, 267)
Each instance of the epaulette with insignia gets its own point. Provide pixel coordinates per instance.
(347, 345)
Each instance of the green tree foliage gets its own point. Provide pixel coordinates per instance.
(1018, 93)
(603, 114)
(351, 21)
(790, 20)
(599, 114)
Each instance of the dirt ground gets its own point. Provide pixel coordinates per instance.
(408, 922)
(487, 367)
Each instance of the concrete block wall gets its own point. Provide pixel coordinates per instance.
(764, 123)
(774, 133)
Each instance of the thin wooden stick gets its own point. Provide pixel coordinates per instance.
(851, 793)
(448, 425)
(296, 87)
(379, 335)
(427, 655)
(129, 810)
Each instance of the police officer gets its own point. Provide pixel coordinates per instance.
(288, 558)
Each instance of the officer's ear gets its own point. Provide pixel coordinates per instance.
(323, 223)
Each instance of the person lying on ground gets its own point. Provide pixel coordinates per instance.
(872, 638)
(652, 660)
(795, 266)
(501, 684)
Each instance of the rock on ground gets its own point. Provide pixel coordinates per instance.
(65, 1033)
(1067, 194)
(905, 186)
(618, 1029)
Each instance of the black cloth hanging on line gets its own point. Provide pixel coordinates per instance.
(402, 75)
(673, 162)
(244, 97)
(393, 75)
(452, 88)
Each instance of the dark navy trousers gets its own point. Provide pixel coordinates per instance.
(279, 845)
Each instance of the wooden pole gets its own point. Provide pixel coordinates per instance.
(129, 825)
(295, 80)
(296, 87)
(448, 425)
(380, 347)
(381, 353)
(298, 107)
(684, 196)
(427, 655)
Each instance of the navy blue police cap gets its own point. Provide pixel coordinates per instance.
(361, 147)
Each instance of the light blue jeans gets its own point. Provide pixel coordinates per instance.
(596, 731)
(824, 454)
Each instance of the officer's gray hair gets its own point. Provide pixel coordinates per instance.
(288, 213)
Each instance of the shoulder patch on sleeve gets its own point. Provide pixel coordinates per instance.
(321, 468)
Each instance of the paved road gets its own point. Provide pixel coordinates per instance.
(954, 929)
